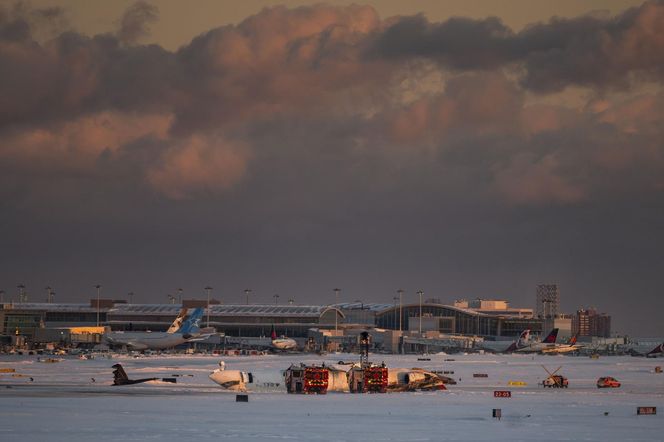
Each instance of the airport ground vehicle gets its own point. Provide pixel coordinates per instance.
(555, 380)
(607, 382)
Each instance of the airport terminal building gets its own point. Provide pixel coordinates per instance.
(257, 320)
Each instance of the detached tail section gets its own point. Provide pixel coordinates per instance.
(120, 377)
(551, 338)
(191, 324)
(273, 334)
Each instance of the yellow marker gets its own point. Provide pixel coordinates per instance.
(517, 383)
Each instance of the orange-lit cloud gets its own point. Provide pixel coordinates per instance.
(199, 166)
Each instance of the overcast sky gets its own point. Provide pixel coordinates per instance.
(465, 150)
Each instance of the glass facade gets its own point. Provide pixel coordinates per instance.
(464, 322)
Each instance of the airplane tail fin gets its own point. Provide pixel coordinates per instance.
(551, 338)
(273, 334)
(519, 343)
(191, 324)
(523, 338)
(119, 375)
(656, 351)
(175, 326)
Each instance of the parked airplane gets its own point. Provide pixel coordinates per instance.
(656, 352)
(282, 343)
(188, 331)
(175, 326)
(563, 348)
(547, 344)
(519, 343)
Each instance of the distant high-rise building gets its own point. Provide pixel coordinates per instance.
(548, 300)
(587, 322)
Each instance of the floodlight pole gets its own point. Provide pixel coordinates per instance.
(400, 292)
(420, 292)
(207, 289)
(247, 292)
(336, 319)
(98, 287)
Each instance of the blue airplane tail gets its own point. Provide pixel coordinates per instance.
(191, 324)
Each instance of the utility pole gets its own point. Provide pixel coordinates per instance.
(207, 289)
(98, 287)
(247, 292)
(420, 292)
(180, 295)
(400, 292)
(394, 324)
(336, 299)
(276, 299)
(131, 297)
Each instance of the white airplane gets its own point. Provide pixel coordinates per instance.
(282, 343)
(267, 380)
(548, 344)
(399, 379)
(187, 330)
(656, 352)
(563, 348)
(412, 379)
(522, 342)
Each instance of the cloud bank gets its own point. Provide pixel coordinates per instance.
(69, 98)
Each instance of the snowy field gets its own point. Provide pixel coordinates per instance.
(63, 403)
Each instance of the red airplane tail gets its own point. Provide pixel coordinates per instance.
(656, 351)
(551, 338)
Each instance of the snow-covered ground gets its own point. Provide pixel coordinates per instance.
(62, 402)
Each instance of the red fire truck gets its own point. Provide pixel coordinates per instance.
(306, 379)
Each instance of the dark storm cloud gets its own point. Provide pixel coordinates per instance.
(585, 51)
